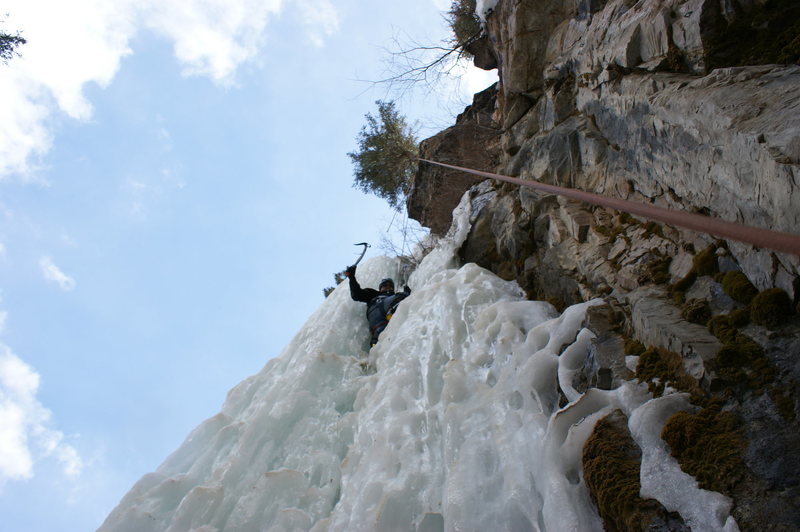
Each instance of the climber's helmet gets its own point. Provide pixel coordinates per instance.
(386, 286)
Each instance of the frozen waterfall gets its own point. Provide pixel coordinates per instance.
(454, 423)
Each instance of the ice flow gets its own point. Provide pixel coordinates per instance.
(454, 423)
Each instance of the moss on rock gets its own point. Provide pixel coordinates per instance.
(705, 262)
(660, 368)
(784, 402)
(606, 231)
(619, 227)
(623, 218)
(739, 287)
(739, 318)
(740, 364)
(720, 326)
(611, 462)
(656, 270)
(771, 308)
(678, 290)
(708, 445)
(634, 347)
(558, 303)
(696, 311)
(654, 228)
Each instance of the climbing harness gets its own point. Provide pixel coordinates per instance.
(380, 311)
(764, 238)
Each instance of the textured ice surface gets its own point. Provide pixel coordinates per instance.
(454, 425)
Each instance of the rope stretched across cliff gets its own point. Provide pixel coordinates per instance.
(764, 238)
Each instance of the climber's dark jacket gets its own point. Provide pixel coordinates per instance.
(380, 306)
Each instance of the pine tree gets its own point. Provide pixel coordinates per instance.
(464, 23)
(338, 277)
(386, 159)
(9, 44)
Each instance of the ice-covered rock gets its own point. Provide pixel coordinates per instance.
(451, 422)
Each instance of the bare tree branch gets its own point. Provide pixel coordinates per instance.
(411, 64)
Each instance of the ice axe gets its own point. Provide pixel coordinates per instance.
(360, 257)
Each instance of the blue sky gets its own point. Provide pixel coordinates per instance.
(174, 195)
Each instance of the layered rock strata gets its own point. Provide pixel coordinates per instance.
(638, 100)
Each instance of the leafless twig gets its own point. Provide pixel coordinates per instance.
(410, 64)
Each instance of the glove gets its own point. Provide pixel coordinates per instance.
(350, 271)
(406, 290)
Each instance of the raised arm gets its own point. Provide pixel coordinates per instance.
(364, 295)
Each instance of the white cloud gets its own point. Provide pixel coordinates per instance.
(53, 273)
(140, 195)
(25, 435)
(67, 240)
(320, 18)
(212, 37)
(164, 138)
(69, 45)
(72, 44)
(23, 135)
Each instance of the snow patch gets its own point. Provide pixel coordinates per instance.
(483, 8)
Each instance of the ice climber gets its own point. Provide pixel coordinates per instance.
(381, 303)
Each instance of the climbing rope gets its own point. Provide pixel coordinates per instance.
(764, 238)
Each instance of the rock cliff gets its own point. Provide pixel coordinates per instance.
(692, 105)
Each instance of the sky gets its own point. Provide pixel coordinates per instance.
(175, 193)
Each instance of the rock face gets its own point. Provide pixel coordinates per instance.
(651, 101)
(472, 141)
